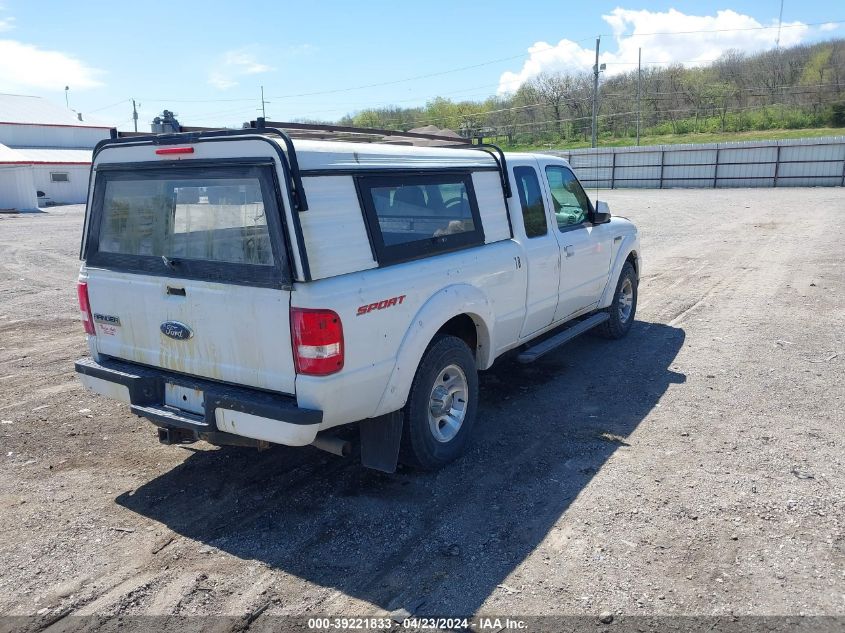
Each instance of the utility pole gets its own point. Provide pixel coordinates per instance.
(263, 111)
(596, 93)
(135, 114)
(67, 103)
(639, 91)
(780, 23)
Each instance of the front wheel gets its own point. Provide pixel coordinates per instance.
(624, 306)
(442, 405)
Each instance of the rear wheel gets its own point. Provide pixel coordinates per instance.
(442, 405)
(624, 306)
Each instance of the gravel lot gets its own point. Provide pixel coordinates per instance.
(695, 467)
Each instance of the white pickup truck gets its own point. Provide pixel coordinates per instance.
(240, 287)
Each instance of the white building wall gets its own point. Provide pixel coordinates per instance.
(74, 191)
(17, 135)
(17, 188)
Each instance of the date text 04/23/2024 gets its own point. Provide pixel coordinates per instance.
(417, 623)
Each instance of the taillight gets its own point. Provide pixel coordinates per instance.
(317, 337)
(85, 307)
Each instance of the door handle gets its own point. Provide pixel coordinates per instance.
(569, 250)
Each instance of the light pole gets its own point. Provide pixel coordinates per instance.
(596, 70)
(639, 92)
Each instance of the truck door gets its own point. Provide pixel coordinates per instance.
(585, 248)
(542, 252)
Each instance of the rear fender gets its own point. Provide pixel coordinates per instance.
(446, 304)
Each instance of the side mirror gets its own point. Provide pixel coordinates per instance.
(602, 213)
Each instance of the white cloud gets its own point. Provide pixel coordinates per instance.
(7, 24)
(233, 64)
(23, 66)
(633, 29)
(829, 26)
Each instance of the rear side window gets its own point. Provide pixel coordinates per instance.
(412, 216)
(218, 223)
(531, 200)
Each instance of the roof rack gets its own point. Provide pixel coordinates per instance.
(376, 135)
(501, 162)
(320, 131)
(286, 131)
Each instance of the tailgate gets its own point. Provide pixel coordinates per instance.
(187, 270)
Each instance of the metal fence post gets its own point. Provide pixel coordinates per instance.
(843, 169)
(662, 152)
(716, 169)
(777, 166)
(613, 170)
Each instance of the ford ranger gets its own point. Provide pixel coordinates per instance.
(242, 287)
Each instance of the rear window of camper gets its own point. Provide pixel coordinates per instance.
(215, 223)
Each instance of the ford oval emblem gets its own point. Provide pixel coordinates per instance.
(176, 330)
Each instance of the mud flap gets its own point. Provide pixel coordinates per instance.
(380, 438)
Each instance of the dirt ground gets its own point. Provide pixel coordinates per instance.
(695, 467)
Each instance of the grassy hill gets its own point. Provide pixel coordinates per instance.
(779, 93)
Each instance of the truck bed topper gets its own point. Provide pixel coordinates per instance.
(287, 131)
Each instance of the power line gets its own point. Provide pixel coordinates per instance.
(426, 76)
(364, 86)
(478, 65)
(113, 105)
(761, 89)
(459, 69)
(347, 108)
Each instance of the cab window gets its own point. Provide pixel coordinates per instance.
(531, 201)
(572, 207)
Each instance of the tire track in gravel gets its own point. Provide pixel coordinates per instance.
(312, 480)
(292, 477)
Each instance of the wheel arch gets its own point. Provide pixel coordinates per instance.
(628, 251)
(460, 310)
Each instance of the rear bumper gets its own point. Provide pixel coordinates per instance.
(225, 408)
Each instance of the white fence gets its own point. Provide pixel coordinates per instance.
(811, 162)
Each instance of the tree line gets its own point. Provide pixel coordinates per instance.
(797, 87)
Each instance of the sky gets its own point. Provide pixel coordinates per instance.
(207, 61)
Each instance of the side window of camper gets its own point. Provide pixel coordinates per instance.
(412, 216)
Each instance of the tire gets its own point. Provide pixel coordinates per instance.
(436, 429)
(623, 310)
